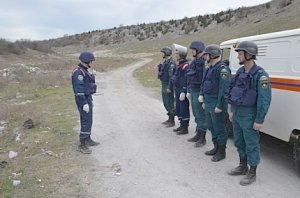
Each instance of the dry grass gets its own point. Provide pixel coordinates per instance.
(147, 75)
(109, 63)
(53, 113)
(50, 104)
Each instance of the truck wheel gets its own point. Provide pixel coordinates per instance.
(229, 127)
(297, 154)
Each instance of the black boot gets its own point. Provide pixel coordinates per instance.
(184, 130)
(171, 122)
(241, 169)
(167, 121)
(212, 151)
(202, 141)
(196, 137)
(90, 142)
(178, 129)
(250, 177)
(221, 154)
(83, 147)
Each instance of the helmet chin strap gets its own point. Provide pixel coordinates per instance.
(246, 59)
(86, 65)
(211, 57)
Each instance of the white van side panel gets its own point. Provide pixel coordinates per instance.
(283, 115)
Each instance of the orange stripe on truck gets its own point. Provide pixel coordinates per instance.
(285, 84)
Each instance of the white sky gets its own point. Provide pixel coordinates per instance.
(45, 19)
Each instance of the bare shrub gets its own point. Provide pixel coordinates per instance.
(4, 112)
(7, 47)
(20, 46)
(285, 3)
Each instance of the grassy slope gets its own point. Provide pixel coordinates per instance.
(246, 27)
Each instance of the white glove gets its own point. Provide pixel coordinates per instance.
(200, 98)
(182, 96)
(230, 114)
(92, 71)
(86, 108)
(203, 105)
(189, 97)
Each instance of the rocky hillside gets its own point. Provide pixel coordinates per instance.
(194, 25)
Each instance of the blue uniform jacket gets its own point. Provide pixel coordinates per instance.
(165, 71)
(195, 74)
(179, 78)
(83, 84)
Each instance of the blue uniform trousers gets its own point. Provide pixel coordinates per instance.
(216, 124)
(246, 139)
(182, 108)
(198, 111)
(86, 119)
(168, 98)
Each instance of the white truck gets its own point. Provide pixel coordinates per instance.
(279, 55)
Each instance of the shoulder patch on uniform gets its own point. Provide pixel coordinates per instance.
(223, 70)
(264, 81)
(223, 73)
(80, 77)
(263, 78)
(260, 71)
(185, 65)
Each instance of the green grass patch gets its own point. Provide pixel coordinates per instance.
(109, 63)
(147, 75)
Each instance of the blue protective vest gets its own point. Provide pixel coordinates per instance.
(195, 73)
(241, 90)
(210, 83)
(179, 76)
(163, 70)
(87, 85)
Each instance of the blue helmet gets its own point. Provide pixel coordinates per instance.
(86, 57)
(198, 45)
(213, 50)
(167, 51)
(248, 46)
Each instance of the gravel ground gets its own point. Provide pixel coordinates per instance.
(139, 158)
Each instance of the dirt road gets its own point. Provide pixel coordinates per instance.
(139, 158)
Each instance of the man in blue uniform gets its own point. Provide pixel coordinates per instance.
(179, 81)
(250, 98)
(84, 86)
(215, 82)
(194, 79)
(165, 72)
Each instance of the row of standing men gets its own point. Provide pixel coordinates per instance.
(214, 94)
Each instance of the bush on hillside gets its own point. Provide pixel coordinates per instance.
(20, 46)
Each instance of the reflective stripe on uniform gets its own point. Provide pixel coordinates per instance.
(85, 132)
(80, 94)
